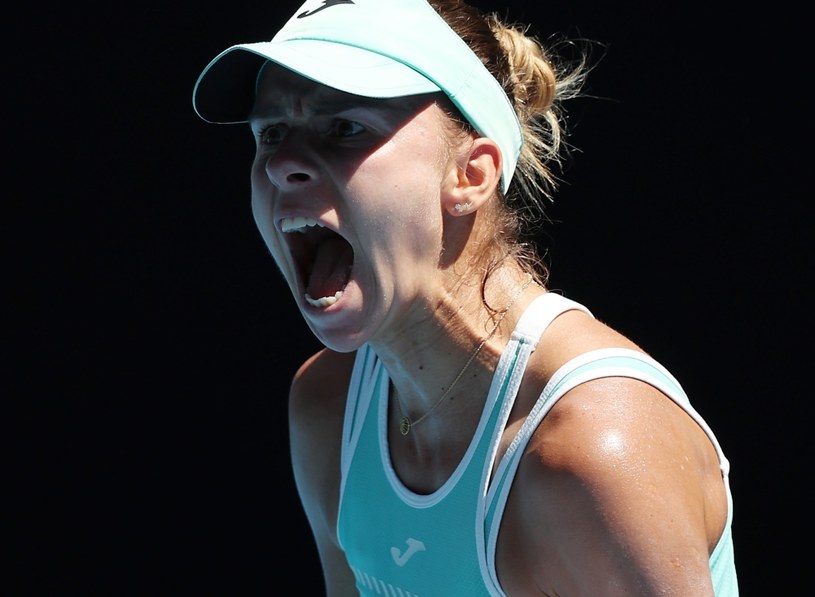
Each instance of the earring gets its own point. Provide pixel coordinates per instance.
(459, 207)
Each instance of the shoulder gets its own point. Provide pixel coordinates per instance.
(316, 411)
(320, 384)
(619, 426)
(619, 477)
(620, 484)
(609, 429)
(317, 398)
(621, 439)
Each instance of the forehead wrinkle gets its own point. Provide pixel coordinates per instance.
(303, 99)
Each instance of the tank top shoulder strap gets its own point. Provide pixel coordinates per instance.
(540, 313)
(367, 369)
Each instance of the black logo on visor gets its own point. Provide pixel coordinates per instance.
(326, 4)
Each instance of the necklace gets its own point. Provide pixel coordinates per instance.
(405, 424)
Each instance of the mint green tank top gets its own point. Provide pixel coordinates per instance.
(443, 544)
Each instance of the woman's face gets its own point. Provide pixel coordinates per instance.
(346, 193)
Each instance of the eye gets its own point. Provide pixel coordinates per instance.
(346, 128)
(272, 134)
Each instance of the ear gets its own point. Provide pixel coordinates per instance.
(478, 175)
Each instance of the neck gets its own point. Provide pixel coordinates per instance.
(444, 350)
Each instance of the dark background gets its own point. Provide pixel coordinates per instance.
(150, 340)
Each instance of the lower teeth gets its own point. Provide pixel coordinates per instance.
(324, 301)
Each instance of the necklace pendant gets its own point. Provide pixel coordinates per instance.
(404, 426)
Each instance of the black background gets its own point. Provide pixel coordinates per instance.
(151, 341)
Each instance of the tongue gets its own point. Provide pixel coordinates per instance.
(329, 271)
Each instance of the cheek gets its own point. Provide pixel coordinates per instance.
(416, 191)
(406, 176)
(404, 202)
(403, 225)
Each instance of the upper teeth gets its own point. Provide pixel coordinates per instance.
(297, 224)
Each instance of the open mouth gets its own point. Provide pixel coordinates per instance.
(324, 259)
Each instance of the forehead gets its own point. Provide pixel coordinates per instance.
(282, 91)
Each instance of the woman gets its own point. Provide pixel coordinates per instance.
(465, 431)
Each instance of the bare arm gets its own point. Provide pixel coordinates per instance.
(316, 409)
(619, 493)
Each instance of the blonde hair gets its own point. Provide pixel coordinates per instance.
(537, 80)
(538, 89)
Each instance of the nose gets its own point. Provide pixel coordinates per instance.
(290, 166)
